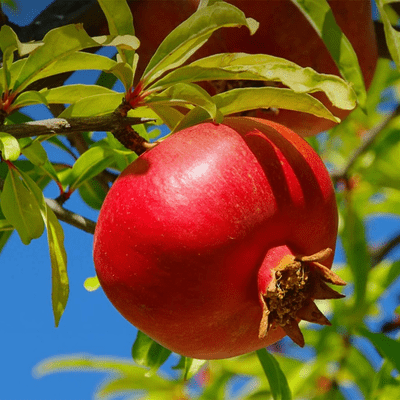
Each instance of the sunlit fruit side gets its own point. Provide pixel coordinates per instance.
(216, 241)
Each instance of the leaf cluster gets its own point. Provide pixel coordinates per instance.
(367, 181)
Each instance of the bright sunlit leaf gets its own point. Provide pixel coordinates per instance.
(120, 22)
(9, 147)
(276, 378)
(20, 207)
(91, 284)
(147, 353)
(244, 99)
(189, 36)
(320, 16)
(261, 67)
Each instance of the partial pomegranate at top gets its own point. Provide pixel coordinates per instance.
(283, 32)
(216, 241)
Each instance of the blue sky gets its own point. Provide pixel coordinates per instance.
(90, 323)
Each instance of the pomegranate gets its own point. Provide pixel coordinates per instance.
(283, 32)
(216, 241)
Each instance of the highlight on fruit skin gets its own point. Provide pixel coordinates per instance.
(216, 242)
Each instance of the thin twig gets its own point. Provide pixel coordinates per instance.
(71, 218)
(378, 254)
(367, 141)
(71, 125)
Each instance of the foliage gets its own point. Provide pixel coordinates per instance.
(361, 152)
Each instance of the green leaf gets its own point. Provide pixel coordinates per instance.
(146, 352)
(120, 22)
(89, 164)
(58, 255)
(277, 381)
(36, 154)
(124, 376)
(189, 36)
(389, 348)
(124, 73)
(92, 193)
(320, 16)
(391, 34)
(384, 385)
(20, 207)
(190, 366)
(9, 147)
(8, 44)
(74, 62)
(4, 236)
(100, 104)
(392, 274)
(186, 93)
(91, 284)
(59, 43)
(28, 98)
(73, 93)
(168, 114)
(357, 255)
(243, 99)
(261, 67)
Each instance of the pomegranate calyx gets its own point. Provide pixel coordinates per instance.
(296, 282)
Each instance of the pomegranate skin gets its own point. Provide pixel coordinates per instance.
(185, 229)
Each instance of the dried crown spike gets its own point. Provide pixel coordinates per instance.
(296, 282)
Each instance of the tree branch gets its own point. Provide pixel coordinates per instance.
(71, 218)
(378, 254)
(62, 126)
(367, 141)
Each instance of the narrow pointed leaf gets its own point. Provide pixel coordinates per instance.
(29, 98)
(261, 67)
(391, 34)
(320, 16)
(168, 114)
(74, 62)
(389, 348)
(189, 36)
(72, 93)
(20, 207)
(100, 104)
(89, 164)
(238, 100)
(185, 93)
(277, 381)
(123, 373)
(120, 22)
(8, 44)
(147, 353)
(92, 193)
(189, 366)
(36, 154)
(124, 73)
(9, 147)
(61, 42)
(357, 255)
(4, 236)
(58, 255)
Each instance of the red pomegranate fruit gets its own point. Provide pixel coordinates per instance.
(216, 241)
(283, 32)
